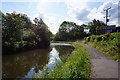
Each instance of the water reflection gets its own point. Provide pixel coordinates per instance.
(53, 58)
(31, 62)
(18, 65)
(64, 50)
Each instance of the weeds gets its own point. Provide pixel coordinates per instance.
(107, 43)
(75, 66)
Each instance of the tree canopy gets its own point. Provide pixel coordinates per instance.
(19, 33)
(69, 31)
(94, 25)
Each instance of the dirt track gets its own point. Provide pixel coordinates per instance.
(101, 65)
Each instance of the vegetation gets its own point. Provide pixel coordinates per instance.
(92, 26)
(19, 33)
(75, 66)
(69, 31)
(107, 43)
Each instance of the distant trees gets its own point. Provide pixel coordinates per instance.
(19, 33)
(92, 26)
(69, 31)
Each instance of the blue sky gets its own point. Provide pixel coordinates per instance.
(54, 12)
(18, 6)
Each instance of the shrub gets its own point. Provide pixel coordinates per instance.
(87, 39)
(92, 37)
(98, 38)
(107, 43)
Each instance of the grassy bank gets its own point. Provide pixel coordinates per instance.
(75, 66)
(107, 43)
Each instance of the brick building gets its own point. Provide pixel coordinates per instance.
(105, 29)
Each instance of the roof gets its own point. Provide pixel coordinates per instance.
(107, 27)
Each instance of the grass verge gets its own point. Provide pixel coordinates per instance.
(107, 43)
(75, 66)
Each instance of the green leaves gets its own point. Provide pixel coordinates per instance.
(69, 31)
(94, 25)
(107, 43)
(17, 29)
(76, 66)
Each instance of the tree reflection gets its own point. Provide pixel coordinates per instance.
(18, 65)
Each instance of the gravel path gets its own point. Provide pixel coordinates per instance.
(101, 65)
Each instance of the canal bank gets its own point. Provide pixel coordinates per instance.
(32, 65)
(25, 64)
(77, 65)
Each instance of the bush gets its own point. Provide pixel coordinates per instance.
(107, 43)
(98, 38)
(92, 37)
(87, 39)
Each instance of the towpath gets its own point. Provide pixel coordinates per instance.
(102, 67)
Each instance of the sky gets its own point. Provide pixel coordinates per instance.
(54, 12)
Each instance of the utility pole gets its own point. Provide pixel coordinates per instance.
(106, 17)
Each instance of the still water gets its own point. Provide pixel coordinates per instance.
(29, 63)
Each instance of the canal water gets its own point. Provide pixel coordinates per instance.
(30, 63)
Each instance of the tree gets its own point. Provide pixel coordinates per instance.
(94, 25)
(69, 31)
(12, 27)
(19, 33)
(42, 33)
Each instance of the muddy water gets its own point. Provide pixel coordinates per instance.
(27, 63)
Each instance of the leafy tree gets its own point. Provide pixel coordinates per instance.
(12, 27)
(69, 31)
(42, 33)
(19, 33)
(94, 25)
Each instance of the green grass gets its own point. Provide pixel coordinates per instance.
(75, 66)
(107, 43)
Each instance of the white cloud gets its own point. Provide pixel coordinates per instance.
(80, 11)
(43, 7)
(100, 14)
(95, 14)
(52, 0)
(55, 0)
(50, 21)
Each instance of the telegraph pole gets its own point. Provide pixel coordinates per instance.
(106, 17)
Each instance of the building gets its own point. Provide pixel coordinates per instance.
(118, 29)
(105, 29)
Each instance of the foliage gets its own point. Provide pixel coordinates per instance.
(19, 33)
(107, 43)
(69, 31)
(92, 26)
(76, 66)
(42, 34)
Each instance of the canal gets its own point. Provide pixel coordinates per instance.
(29, 63)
